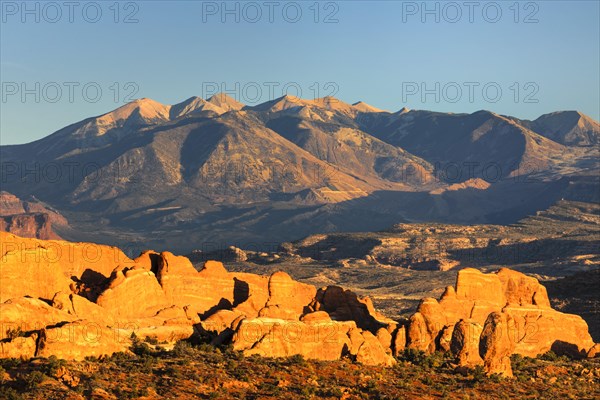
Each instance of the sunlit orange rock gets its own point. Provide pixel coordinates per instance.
(496, 344)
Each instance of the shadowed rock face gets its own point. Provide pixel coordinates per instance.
(32, 218)
(483, 319)
(496, 344)
(579, 294)
(28, 225)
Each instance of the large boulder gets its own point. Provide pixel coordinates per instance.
(314, 338)
(426, 325)
(19, 347)
(288, 299)
(522, 290)
(88, 262)
(133, 293)
(465, 343)
(250, 293)
(418, 335)
(536, 327)
(38, 271)
(28, 314)
(271, 337)
(80, 339)
(345, 305)
(594, 351)
(539, 330)
(496, 344)
(372, 352)
(206, 291)
(399, 343)
(81, 308)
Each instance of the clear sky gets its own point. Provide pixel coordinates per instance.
(543, 56)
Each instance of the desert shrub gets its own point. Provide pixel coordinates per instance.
(141, 349)
(427, 380)
(134, 393)
(238, 372)
(32, 379)
(553, 357)
(183, 349)
(9, 363)
(229, 352)
(147, 363)
(8, 393)
(297, 359)
(413, 356)
(549, 356)
(151, 340)
(120, 357)
(270, 388)
(517, 361)
(53, 365)
(479, 374)
(422, 359)
(308, 391)
(206, 347)
(332, 391)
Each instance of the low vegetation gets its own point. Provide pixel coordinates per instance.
(204, 371)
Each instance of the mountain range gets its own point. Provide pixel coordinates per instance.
(213, 173)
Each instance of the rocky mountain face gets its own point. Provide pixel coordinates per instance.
(217, 173)
(35, 225)
(30, 218)
(567, 127)
(81, 299)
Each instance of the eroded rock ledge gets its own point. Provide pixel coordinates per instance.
(75, 300)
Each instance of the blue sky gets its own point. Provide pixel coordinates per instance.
(544, 58)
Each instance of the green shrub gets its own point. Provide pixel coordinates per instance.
(151, 339)
(32, 379)
(183, 349)
(7, 393)
(9, 363)
(413, 356)
(297, 359)
(479, 374)
(549, 356)
(552, 356)
(141, 349)
(53, 365)
(422, 359)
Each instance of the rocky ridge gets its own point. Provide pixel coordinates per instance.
(241, 175)
(29, 218)
(80, 299)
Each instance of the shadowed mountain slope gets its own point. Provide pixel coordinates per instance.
(218, 171)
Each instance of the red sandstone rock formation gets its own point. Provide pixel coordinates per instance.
(32, 219)
(534, 328)
(483, 319)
